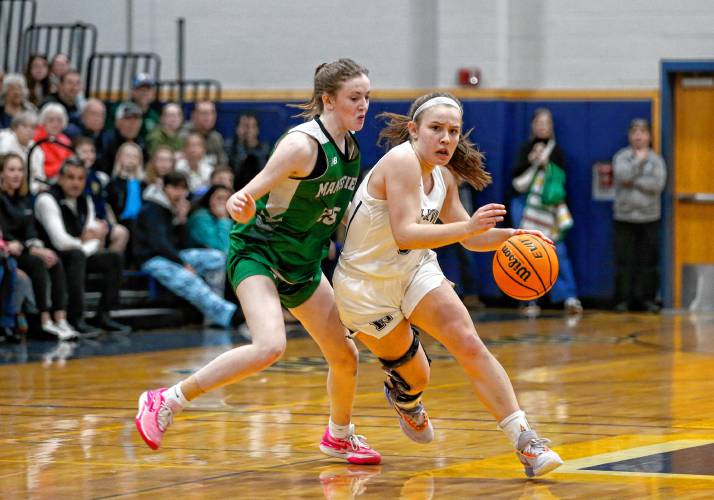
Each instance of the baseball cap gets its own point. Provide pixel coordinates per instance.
(143, 79)
(128, 110)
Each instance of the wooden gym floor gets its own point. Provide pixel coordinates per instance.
(626, 399)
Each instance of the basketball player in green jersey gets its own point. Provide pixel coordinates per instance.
(274, 260)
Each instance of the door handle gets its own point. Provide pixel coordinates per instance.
(695, 197)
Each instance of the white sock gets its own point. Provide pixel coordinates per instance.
(174, 394)
(340, 431)
(513, 425)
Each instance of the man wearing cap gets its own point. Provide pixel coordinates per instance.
(143, 94)
(127, 124)
(639, 175)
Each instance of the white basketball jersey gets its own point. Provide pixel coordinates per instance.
(370, 249)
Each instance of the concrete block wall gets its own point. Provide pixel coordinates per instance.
(518, 44)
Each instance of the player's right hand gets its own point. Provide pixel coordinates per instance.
(241, 207)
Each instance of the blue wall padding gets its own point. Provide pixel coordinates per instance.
(588, 130)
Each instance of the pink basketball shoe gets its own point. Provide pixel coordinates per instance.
(353, 448)
(154, 416)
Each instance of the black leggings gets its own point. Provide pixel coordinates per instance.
(49, 285)
(107, 264)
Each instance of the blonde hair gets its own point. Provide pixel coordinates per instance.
(118, 171)
(329, 77)
(466, 162)
(151, 175)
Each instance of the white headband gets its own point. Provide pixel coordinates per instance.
(434, 101)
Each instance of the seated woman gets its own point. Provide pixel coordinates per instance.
(41, 264)
(51, 147)
(195, 164)
(125, 188)
(13, 98)
(209, 225)
(96, 188)
(18, 138)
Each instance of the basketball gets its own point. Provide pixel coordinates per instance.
(525, 267)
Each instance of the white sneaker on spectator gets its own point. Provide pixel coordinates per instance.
(63, 324)
(530, 310)
(58, 331)
(573, 306)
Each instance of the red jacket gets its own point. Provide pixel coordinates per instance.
(55, 154)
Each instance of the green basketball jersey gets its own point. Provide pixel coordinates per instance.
(294, 221)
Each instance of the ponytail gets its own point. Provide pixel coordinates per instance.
(328, 79)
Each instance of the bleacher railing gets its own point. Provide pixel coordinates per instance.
(15, 17)
(110, 74)
(78, 41)
(189, 90)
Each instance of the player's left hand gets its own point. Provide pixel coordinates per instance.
(535, 233)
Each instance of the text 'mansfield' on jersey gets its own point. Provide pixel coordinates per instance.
(345, 182)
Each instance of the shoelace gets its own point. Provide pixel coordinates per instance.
(165, 416)
(536, 446)
(356, 441)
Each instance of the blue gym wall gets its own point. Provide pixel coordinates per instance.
(588, 130)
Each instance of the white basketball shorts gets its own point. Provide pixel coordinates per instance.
(376, 306)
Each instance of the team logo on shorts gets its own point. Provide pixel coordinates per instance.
(381, 323)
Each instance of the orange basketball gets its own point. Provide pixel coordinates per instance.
(525, 267)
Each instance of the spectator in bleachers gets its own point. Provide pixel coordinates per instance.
(203, 121)
(127, 123)
(14, 98)
(209, 225)
(96, 188)
(168, 131)
(143, 94)
(126, 186)
(41, 264)
(51, 147)
(67, 224)
(18, 138)
(223, 176)
(160, 247)
(37, 76)
(58, 67)
(8, 280)
(530, 209)
(195, 163)
(67, 94)
(91, 125)
(162, 162)
(247, 155)
(640, 176)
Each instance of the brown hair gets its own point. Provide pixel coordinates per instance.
(3, 162)
(31, 82)
(151, 175)
(328, 80)
(467, 161)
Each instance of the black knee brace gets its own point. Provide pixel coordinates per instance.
(395, 383)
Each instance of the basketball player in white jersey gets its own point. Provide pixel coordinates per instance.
(388, 278)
